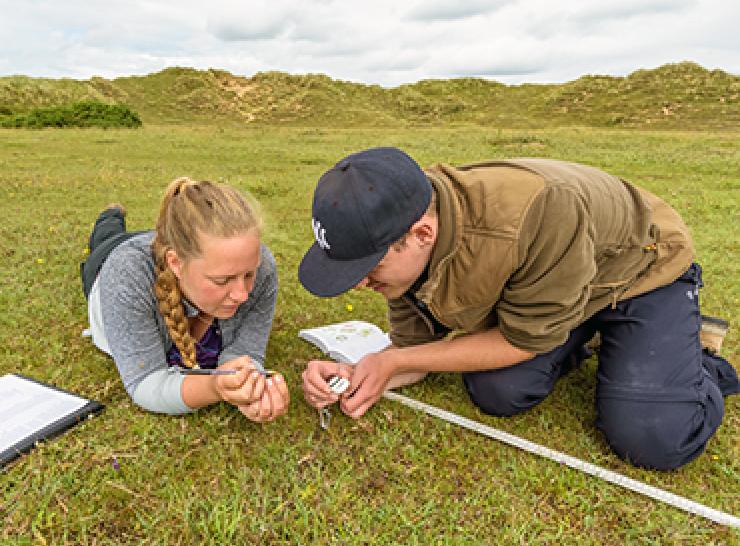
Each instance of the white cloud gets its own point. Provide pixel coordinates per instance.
(384, 41)
(450, 10)
(626, 9)
(245, 21)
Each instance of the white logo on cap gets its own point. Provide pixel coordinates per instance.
(320, 234)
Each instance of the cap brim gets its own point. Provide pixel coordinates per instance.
(325, 277)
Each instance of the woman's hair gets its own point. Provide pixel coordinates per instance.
(189, 209)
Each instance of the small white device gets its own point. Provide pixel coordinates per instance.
(338, 384)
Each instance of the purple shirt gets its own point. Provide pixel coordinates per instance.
(207, 349)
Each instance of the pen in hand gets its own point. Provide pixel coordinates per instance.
(204, 371)
(216, 371)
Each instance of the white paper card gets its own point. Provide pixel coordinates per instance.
(27, 407)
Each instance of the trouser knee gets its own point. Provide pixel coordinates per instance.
(657, 433)
(503, 393)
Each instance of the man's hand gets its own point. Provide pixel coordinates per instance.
(245, 387)
(369, 381)
(315, 377)
(273, 402)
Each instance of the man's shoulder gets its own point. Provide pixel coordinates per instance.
(491, 182)
(488, 199)
(546, 171)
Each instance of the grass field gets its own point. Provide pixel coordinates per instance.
(394, 477)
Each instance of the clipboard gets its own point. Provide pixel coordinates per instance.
(32, 411)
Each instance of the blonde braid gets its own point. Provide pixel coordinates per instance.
(189, 209)
(169, 301)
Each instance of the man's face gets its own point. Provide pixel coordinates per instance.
(221, 278)
(401, 266)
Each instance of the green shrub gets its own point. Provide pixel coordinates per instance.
(79, 114)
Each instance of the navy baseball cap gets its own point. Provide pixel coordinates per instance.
(361, 206)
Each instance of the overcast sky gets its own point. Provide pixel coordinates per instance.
(388, 42)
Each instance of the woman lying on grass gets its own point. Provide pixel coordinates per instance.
(198, 292)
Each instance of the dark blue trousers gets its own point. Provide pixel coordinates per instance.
(657, 397)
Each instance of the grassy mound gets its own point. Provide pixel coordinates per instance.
(681, 96)
(683, 92)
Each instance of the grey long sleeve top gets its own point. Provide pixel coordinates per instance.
(137, 335)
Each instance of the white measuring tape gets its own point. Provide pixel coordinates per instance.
(608, 475)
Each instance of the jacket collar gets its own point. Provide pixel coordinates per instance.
(449, 230)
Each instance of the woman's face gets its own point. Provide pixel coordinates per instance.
(221, 278)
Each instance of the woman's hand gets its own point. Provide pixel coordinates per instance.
(273, 402)
(245, 387)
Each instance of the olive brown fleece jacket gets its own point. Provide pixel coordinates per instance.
(537, 246)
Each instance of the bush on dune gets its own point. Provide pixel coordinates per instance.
(79, 114)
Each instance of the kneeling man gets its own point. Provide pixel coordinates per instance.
(503, 271)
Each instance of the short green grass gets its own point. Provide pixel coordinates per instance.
(393, 477)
